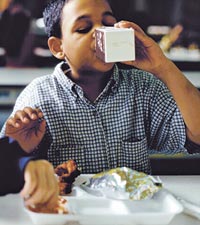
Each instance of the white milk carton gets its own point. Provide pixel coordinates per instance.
(115, 44)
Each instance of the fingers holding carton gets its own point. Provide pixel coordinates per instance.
(149, 56)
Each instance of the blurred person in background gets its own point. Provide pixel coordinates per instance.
(14, 25)
(3, 6)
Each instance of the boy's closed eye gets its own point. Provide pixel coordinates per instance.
(108, 24)
(109, 21)
(85, 25)
(84, 30)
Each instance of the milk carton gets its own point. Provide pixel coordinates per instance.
(115, 44)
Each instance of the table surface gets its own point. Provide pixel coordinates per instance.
(12, 212)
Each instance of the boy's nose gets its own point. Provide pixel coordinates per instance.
(93, 35)
(98, 25)
(93, 40)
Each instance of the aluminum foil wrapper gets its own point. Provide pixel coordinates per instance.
(123, 183)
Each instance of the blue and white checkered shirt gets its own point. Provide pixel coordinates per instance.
(133, 117)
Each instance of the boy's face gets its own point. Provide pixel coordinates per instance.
(79, 21)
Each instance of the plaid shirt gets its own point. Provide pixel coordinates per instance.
(133, 117)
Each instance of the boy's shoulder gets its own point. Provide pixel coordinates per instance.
(39, 82)
(48, 78)
(140, 79)
(137, 75)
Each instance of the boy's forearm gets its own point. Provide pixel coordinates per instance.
(186, 96)
(10, 175)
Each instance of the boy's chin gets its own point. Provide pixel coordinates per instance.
(103, 66)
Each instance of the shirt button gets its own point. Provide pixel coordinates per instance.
(94, 113)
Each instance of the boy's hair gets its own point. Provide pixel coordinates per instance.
(52, 16)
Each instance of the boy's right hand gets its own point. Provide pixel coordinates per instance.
(26, 128)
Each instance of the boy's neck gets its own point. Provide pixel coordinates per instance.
(92, 83)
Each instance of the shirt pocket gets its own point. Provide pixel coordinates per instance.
(135, 155)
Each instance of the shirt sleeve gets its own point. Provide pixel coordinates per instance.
(13, 161)
(166, 125)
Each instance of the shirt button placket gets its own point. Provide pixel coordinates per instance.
(103, 136)
(94, 112)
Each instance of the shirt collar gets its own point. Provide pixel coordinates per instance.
(62, 68)
(60, 72)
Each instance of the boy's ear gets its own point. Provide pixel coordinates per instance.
(55, 46)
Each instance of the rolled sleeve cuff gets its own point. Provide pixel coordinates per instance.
(24, 161)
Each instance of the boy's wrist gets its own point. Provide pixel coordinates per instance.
(165, 71)
(28, 148)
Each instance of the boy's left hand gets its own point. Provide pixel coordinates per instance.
(41, 186)
(26, 128)
(149, 56)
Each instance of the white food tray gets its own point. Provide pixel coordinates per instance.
(85, 209)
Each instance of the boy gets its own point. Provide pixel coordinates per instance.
(100, 115)
(40, 185)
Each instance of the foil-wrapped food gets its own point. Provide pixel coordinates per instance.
(123, 183)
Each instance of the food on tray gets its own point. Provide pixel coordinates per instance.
(43, 208)
(67, 172)
(123, 183)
